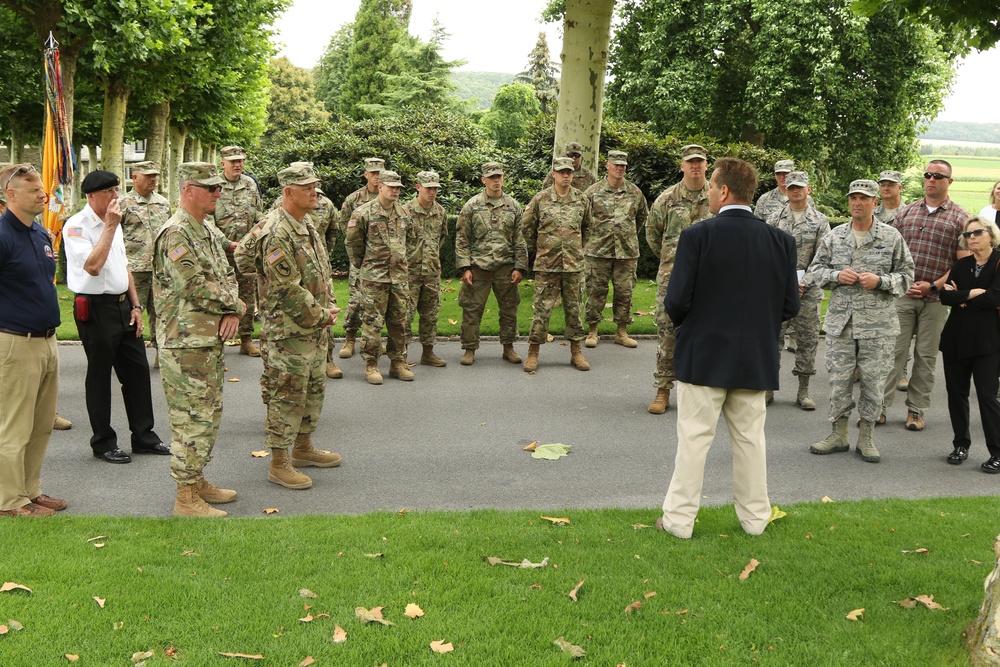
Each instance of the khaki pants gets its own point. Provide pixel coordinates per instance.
(925, 319)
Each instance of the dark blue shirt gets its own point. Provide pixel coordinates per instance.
(28, 300)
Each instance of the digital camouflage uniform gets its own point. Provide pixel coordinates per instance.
(676, 209)
(490, 243)
(583, 178)
(887, 217)
(555, 230)
(194, 286)
(358, 198)
(612, 248)
(238, 209)
(770, 203)
(427, 233)
(142, 218)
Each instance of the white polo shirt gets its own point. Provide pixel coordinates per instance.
(80, 235)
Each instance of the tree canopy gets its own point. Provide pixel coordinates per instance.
(292, 97)
(379, 26)
(514, 106)
(541, 74)
(975, 22)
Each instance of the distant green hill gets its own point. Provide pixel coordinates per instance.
(480, 86)
(954, 131)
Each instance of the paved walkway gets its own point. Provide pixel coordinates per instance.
(453, 439)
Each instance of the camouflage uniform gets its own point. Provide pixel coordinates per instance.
(427, 233)
(142, 218)
(612, 249)
(888, 217)
(676, 209)
(861, 325)
(770, 203)
(555, 230)
(583, 178)
(358, 198)
(490, 243)
(244, 258)
(238, 209)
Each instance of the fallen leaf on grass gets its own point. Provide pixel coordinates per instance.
(776, 514)
(118, 625)
(308, 661)
(524, 564)
(925, 600)
(403, 511)
(10, 586)
(308, 618)
(576, 589)
(4, 629)
(139, 656)
(233, 380)
(536, 587)
(633, 607)
(551, 452)
(649, 595)
(751, 566)
(559, 521)
(72, 657)
(856, 615)
(99, 601)
(339, 635)
(572, 649)
(189, 553)
(413, 611)
(271, 510)
(640, 526)
(379, 555)
(171, 652)
(322, 615)
(976, 562)
(452, 321)
(99, 537)
(98, 545)
(14, 625)
(440, 646)
(256, 656)
(260, 453)
(531, 447)
(373, 615)
(306, 593)
(826, 499)
(916, 551)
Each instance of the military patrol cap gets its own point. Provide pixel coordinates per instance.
(203, 173)
(374, 164)
(784, 166)
(693, 152)
(799, 178)
(618, 157)
(574, 147)
(146, 168)
(562, 164)
(389, 178)
(428, 179)
(298, 173)
(98, 180)
(863, 186)
(234, 153)
(492, 169)
(890, 175)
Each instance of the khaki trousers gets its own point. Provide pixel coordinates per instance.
(925, 319)
(29, 383)
(698, 410)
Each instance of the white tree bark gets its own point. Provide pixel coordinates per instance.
(178, 137)
(983, 635)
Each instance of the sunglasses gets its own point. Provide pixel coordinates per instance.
(211, 188)
(974, 232)
(935, 176)
(23, 169)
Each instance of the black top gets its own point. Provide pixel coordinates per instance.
(975, 329)
(28, 300)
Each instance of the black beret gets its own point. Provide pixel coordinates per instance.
(98, 180)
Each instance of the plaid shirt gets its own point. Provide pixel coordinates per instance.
(931, 237)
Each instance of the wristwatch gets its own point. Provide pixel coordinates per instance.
(933, 288)
(138, 307)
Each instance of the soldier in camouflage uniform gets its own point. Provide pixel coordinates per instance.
(490, 254)
(240, 208)
(865, 264)
(352, 323)
(619, 211)
(808, 227)
(297, 312)
(677, 208)
(143, 213)
(426, 235)
(198, 307)
(556, 226)
(376, 244)
(583, 178)
(771, 201)
(890, 191)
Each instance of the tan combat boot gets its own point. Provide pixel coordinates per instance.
(835, 442)
(281, 471)
(591, 336)
(333, 370)
(305, 455)
(622, 338)
(510, 355)
(347, 351)
(866, 445)
(468, 357)
(428, 358)
(531, 363)
(189, 503)
(372, 376)
(660, 402)
(61, 423)
(576, 356)
(802, 399)
(210, 493)
(398, 368)
(247, 347)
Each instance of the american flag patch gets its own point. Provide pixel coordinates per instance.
(74, 232)
(177, 253)
(275, 256)
(352, 223)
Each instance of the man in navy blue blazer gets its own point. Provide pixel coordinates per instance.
(734, 283)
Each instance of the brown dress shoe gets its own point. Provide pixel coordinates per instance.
(29, 510)
(48, 501)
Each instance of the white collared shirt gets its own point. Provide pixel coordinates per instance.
(80, 235)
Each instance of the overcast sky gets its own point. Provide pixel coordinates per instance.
(498, 36)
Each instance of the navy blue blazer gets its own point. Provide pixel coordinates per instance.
(733, 284)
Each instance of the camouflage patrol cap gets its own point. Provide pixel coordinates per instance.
(428, 179)
(233, 153)
(618, 157)
(693, 152)
(147, 168)
(389, 178)
(784, 166)
(890, 175)
(203, 173)
(562, 164)
(492, 169)
(799, 178)
(574, 147)
(298, 173)
(374, 164)
(863, 186)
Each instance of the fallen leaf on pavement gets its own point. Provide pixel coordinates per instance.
(559, 521)
(826, 499)
(856, 615)
(139, 656)
(916, 551)
(925, 600)
(339, 635)
(572, 649)
(576, 589)
(233, 380)
(751, 566)
(633, 607)
(10, 585)
(256, 656)
(308, 661)
(99, 601)
(440, 647)
(271, 510)
(524, 564)
(531, 447)
(306, 593)
(551, 452)
(776, 514)
(260, 453)
(373, 615)
(413, 611)
(308, 618)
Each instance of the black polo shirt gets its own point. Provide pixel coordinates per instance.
(28, 300)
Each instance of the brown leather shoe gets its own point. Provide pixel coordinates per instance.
(29, 510)
(914, 421)
(48, 501)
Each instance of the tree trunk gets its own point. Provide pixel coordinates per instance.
(586, 33)
(116, 96)
(67, 63)
(196, 149)
(83, 168)
(189, 149)
(156, 140)
(983, 635)
(16, 140)
(178, 136)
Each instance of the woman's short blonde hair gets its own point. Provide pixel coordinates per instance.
(988, 225)
(993, 194)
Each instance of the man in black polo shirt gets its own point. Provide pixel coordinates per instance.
(29, 362)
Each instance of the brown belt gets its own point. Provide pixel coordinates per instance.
(49, 333)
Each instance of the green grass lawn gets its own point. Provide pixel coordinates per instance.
(194, 588)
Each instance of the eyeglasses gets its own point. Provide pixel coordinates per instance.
(936, 176)
(211, 188)
(23, 169)
(974, 232)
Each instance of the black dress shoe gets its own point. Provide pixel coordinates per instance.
(158, 448)
(992, 466)
(958, 455)
(114, 456)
